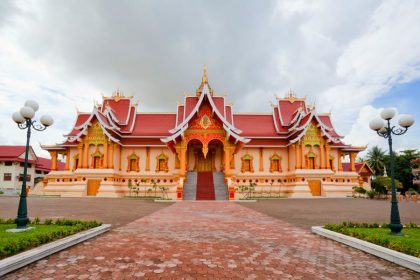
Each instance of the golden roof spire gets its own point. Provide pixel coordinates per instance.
(204, 79)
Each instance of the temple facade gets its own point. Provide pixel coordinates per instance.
(203, 151)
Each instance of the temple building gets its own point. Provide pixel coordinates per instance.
(203, 150)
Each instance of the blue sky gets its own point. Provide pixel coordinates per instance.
(405, 97)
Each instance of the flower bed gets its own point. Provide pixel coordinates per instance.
(408, 244)
(49, 230)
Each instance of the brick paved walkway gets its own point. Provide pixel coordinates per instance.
(211, 240)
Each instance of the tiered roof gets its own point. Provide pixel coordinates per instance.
(286, 124)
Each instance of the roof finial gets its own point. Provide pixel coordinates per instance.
(204, 79)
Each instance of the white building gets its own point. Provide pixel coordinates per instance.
(12, 160)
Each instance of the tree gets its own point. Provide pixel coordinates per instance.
(376, 159)
(403, 167)
(382, 184)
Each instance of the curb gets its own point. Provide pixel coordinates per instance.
(17, 261)
(180, 201)
(401, 259)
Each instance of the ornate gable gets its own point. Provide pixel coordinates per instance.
(95, 134)
(313, 136)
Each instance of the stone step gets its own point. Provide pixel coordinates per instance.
(220, 187)
(190, 187)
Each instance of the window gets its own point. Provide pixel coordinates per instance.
(247, 165)
(97, 159)
(133, 163)
(162, 163)
(311, 160)
(275, 163)
(7, 177)
(28, 178)
(96, 162)
(8, 163)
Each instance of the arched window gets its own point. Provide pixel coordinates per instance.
(247, 164)
(133, 163)
(311, 160)
(275, 163)
(162, 163)
(97, 159)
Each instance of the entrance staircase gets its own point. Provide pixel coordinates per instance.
(190, 187)
(220, 188)
(205, 186)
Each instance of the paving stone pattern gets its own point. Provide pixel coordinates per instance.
(211, 240)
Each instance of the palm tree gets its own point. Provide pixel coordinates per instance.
(376, 159)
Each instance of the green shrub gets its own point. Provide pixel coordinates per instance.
(382, 184)
(43, 233)
(408, 244)
(359, 190)
(371, 194)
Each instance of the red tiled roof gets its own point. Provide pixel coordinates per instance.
(120, 108)
(357, 165)
(288, 109)
(44, 164)
(11, 151)
(219, 101)
(289, 113)
(82, 118)
(326, 120)
(190, 102)
(229, 114)
(267, 142)
(255, 125)
(153, 124)
(142, 141)
(180, 114)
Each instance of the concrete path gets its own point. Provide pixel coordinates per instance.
(211, 240)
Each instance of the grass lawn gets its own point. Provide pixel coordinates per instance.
(409, 243)
(13, 243)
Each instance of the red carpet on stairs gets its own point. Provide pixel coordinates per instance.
(205, 186)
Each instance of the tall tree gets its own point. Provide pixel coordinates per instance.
(403, 167)
(376, 160)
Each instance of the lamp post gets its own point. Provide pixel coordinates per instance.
(24, 120)
(386, 130)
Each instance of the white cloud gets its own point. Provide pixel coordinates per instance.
(344, 54)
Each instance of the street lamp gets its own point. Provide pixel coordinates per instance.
(385, 130)
(24, 120)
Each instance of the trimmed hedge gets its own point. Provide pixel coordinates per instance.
(409, 243)
(49, 230)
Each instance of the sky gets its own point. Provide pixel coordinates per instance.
(350, 58)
